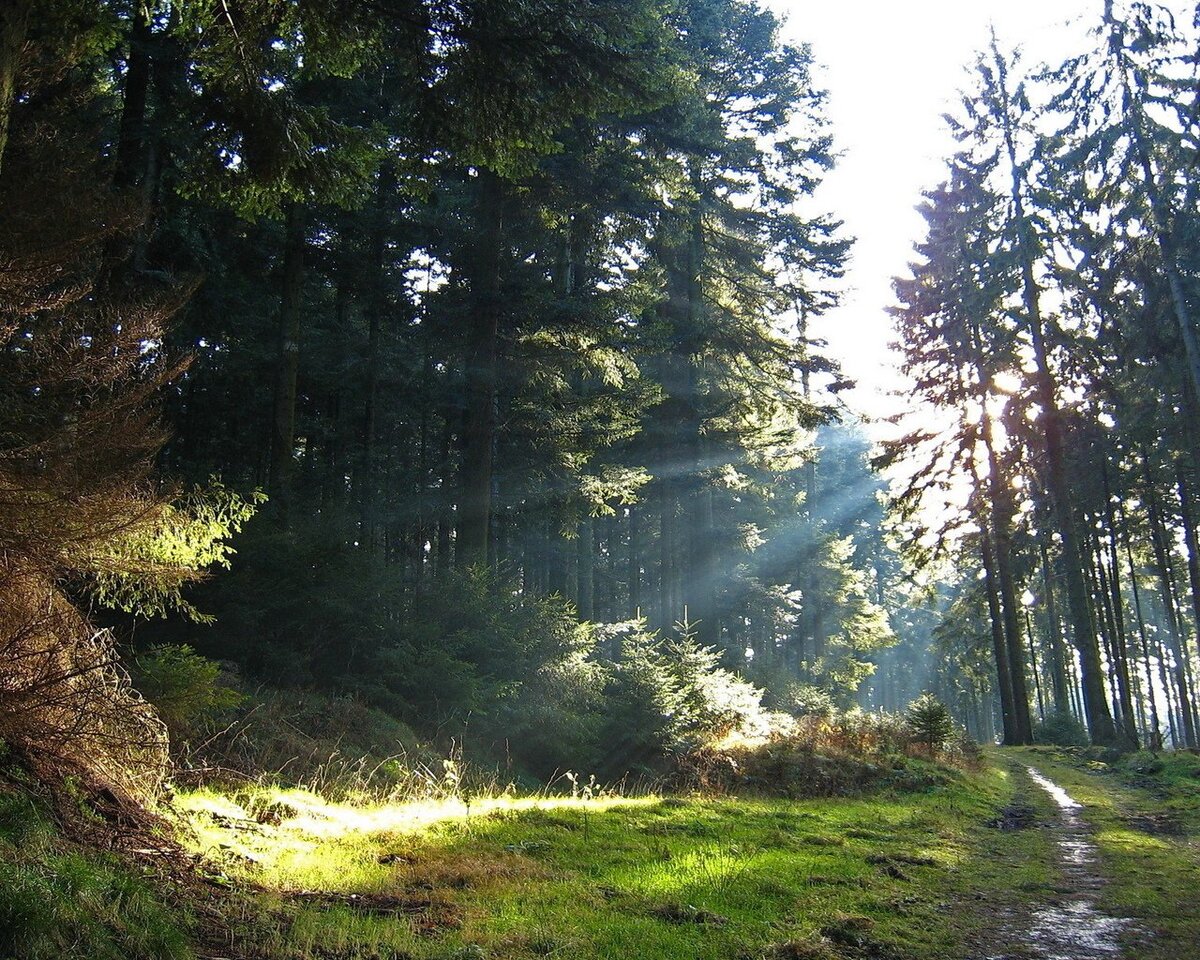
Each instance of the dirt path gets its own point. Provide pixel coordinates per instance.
(1071, 927)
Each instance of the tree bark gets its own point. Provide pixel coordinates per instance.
(585, 570)
(377, 307)
(1012, 731)
(667, 612)
(1058, 667)
(1118, 607)
(1174, 628)
(333, 483)
(1001, 517)
(15, 16)
(479, 425)
(700, 585)
(131, 133)
(283, 437)
(635, 561)
(445, 505)
(1192, 542)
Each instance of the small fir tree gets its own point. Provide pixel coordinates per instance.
(930, 722)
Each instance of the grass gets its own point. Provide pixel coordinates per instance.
(61, 901)
(896, 874)
(1146, 815)
(653, 877)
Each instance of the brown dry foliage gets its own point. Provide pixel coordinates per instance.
(64, 695)
(81, 363)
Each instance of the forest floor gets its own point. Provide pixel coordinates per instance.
(964, 867)
(649, 877)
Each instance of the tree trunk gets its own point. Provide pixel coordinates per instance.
(1034, 671)
(445, 520)
(1174, 628)
(1058, 666)
(425, 471)
(667, 613)
(15, 16)
(377, 306)
(585, 570)
(635, 561)
(333, 483)
(1012, 730)
(1187, 517)
(556, 562)
(131, 134)
(700, 581)
(479, 425)
(1001, 515)
(1119, 661)
(283, 437)
(1100, 722)
(1173, 722)
(1098, 584)
(1118, 606)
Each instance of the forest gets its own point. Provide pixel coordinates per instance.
(418, 402)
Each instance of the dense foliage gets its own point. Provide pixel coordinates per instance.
(490, 323)
(505, 314)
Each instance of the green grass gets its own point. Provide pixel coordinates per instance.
(650, 877)
(901, 874)
(1146, 814)
(59, 901)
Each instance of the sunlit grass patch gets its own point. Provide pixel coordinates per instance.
(658, 878)
(1130, 840)
(291, 839)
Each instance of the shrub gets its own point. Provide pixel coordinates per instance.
(66, 698)
(555, 720)
(307, 738)
(806, 700)
(1061, 729)
(834, 755)
(965, 749)
(184, 687)
(714, 701)
(930, 722)
(854, 733)
(669, 697)
(645, 719)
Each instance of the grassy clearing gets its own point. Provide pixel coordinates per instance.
(649, 876)
(912, 873)
(1146, 814)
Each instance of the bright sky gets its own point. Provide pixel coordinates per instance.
(892, 69)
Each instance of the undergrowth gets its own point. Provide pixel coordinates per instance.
(411, 857)
(63, 900)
